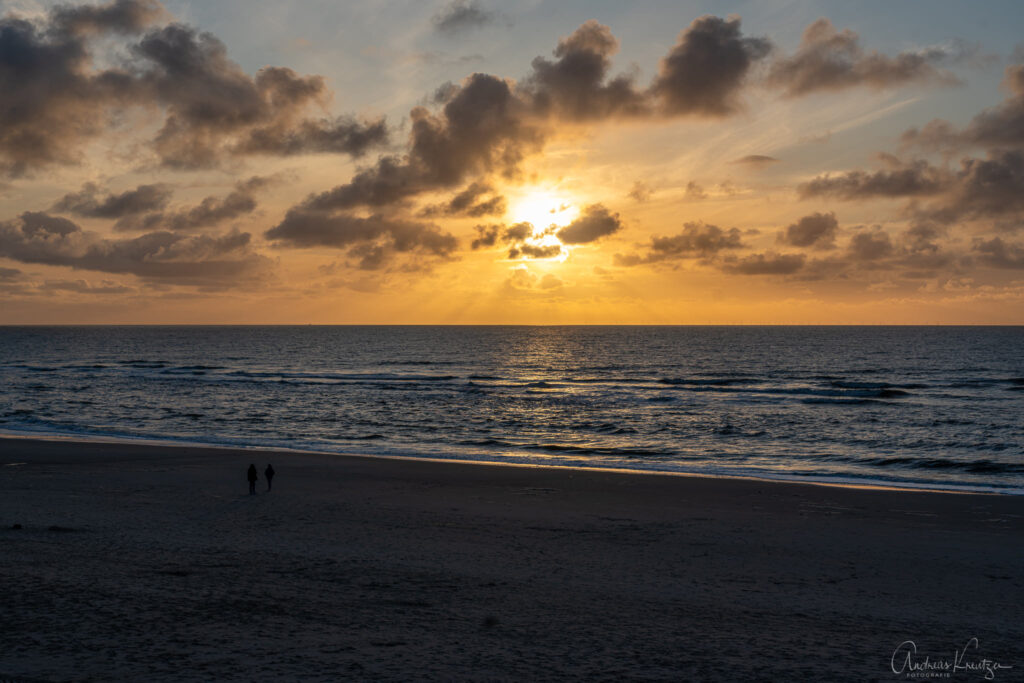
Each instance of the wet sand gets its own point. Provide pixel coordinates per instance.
(137, 562)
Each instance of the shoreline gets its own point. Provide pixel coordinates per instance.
(134, 561)
(838, 482)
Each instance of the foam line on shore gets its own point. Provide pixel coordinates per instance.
(878, 485)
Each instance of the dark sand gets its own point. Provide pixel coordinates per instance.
(142, 563)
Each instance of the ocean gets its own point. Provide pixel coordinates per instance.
(935, 407)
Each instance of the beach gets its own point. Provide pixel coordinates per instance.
(143, 562)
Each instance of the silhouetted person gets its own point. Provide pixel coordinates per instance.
(252, 479)
(269, 474)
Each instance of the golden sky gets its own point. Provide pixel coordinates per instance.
(528, 163)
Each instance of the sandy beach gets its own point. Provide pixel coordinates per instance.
(137, 562)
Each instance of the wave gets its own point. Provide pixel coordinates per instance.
(983, 466)
(342, 377)
(719, 381)
(842, 401)
(849, 384)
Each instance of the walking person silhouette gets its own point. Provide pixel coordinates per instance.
(269, 474)
(252, 479)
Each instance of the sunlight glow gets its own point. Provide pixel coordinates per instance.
(543, 208)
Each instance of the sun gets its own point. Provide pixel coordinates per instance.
(542, 208)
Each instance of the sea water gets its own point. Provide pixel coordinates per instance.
(939, 407)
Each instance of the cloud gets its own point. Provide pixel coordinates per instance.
(697, 240)
(828, 59)
(756, 160)
(921, 238)
(338, 135)
(215, 108)
(997, 253)
(695, 192)
(485, 125)
(518, 232)
(487, 236)
(164, 256)
(462, 15)
(535, 251)
(595, 222)
(983, 188)
(916, 179)
(372, 239)
(980, 189)
(769, 263)
(641, 192)
(521, 238)
(9, 274)
(482, 127)
(85, 287)
(999, 126)
(703, 73)
(522, 279)
(573, 86)
(870, 245)
(209, 212)
(52, 100)
(87, 203)
(58, 94)
(118, 16)
(465, 203)
(817, 230)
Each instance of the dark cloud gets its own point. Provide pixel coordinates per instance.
(703, 73)
(769, 263)
(52, 100)
(88, 202)
(575, 87)
(996, 253)
(999, 126)
(817, 230)
(372, 239)
(756, 160)
(870, 245)
(165, 256)
(9, 274)
(989, 188)
(119, 16)
(921, 238)
(697, 240)
(481, 128)
(487, 236)
(56, 96)
(462, 15)
(981, 188)
(518, 232)
(527, 250)
(209, 212)
(338, 135)
(215, 108)
(520, 237)
(595, 222)
(916, 179)
(828, 59)
(466, 203)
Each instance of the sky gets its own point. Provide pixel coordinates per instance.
(521, 162)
